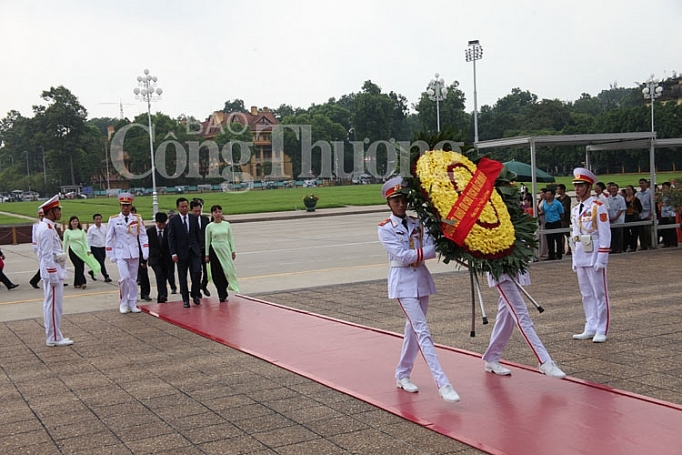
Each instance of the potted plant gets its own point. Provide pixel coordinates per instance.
(310, 201)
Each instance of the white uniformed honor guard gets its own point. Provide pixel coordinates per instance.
(34, 241)
(591, 238)
(123, 249)
(52, 271)
(512, 310)
(410, 282)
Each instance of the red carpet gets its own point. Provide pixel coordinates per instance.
(527, 413)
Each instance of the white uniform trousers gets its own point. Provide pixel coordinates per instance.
(417, 337)
(127, 284)
(512, 310)
(595, 299)
(52, 309)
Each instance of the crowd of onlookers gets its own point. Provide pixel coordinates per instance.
(631, 212)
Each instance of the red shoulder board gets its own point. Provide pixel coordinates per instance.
(384, 222)
(598, 202)
(602, 217)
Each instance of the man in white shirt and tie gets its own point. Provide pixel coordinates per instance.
(97, 237)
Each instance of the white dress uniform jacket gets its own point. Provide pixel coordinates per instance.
(408, 248)
(122, 238)
(592, 221)
(34, 236)
(50, 254)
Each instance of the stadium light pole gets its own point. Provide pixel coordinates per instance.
(437, 92)
(147, 91)
(473, 53)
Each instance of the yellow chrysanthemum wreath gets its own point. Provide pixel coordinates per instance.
(501, 241)
(443, 175)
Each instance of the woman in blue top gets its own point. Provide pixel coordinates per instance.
(552, 209)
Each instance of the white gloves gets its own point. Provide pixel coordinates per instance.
(600, 263)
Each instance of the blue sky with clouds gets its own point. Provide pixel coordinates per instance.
(301, 52)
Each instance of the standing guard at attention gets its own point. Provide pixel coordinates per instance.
(591, 238)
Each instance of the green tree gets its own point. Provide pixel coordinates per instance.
(62, 125)
(236, 105)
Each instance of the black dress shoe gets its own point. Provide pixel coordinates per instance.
(197, 300)
(205, 290)
(185, 304)
(174, 291)
(146, 298)
(162, 300)
(66, 284)
(107, 280)
(92, 275)
(35, 285)
(12, 286)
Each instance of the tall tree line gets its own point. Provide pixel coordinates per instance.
(59, 145)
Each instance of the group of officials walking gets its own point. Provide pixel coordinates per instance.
(188, 241)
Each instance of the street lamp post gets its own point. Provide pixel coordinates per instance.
(106, 160)
(28, 169)
(147, 91)
(475, 52)
(437, 92)
(44, 169)
(652, 91)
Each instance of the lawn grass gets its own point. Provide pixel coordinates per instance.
(621, 179)
(8, 219)
(254, 201)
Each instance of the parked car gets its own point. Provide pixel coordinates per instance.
(74, 195)
(362, 179)
(30, 196)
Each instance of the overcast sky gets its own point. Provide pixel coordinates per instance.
(271, 52)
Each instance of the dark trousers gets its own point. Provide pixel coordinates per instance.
(36, 278)
(554, 241)
(192, 266)
(617, 238)
(630, 234)
(218, 275)
(171, 277)
(669, 236)
(6, 281)
(143, 280)
(100, 253)
(79, 269)
(162, 271)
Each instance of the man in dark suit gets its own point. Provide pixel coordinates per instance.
(195, 208)
(159, 255)
(142, 271)
(184, 242)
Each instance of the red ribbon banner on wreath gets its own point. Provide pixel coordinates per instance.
(471, 201)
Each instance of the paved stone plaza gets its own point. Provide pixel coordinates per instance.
(136, 384)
